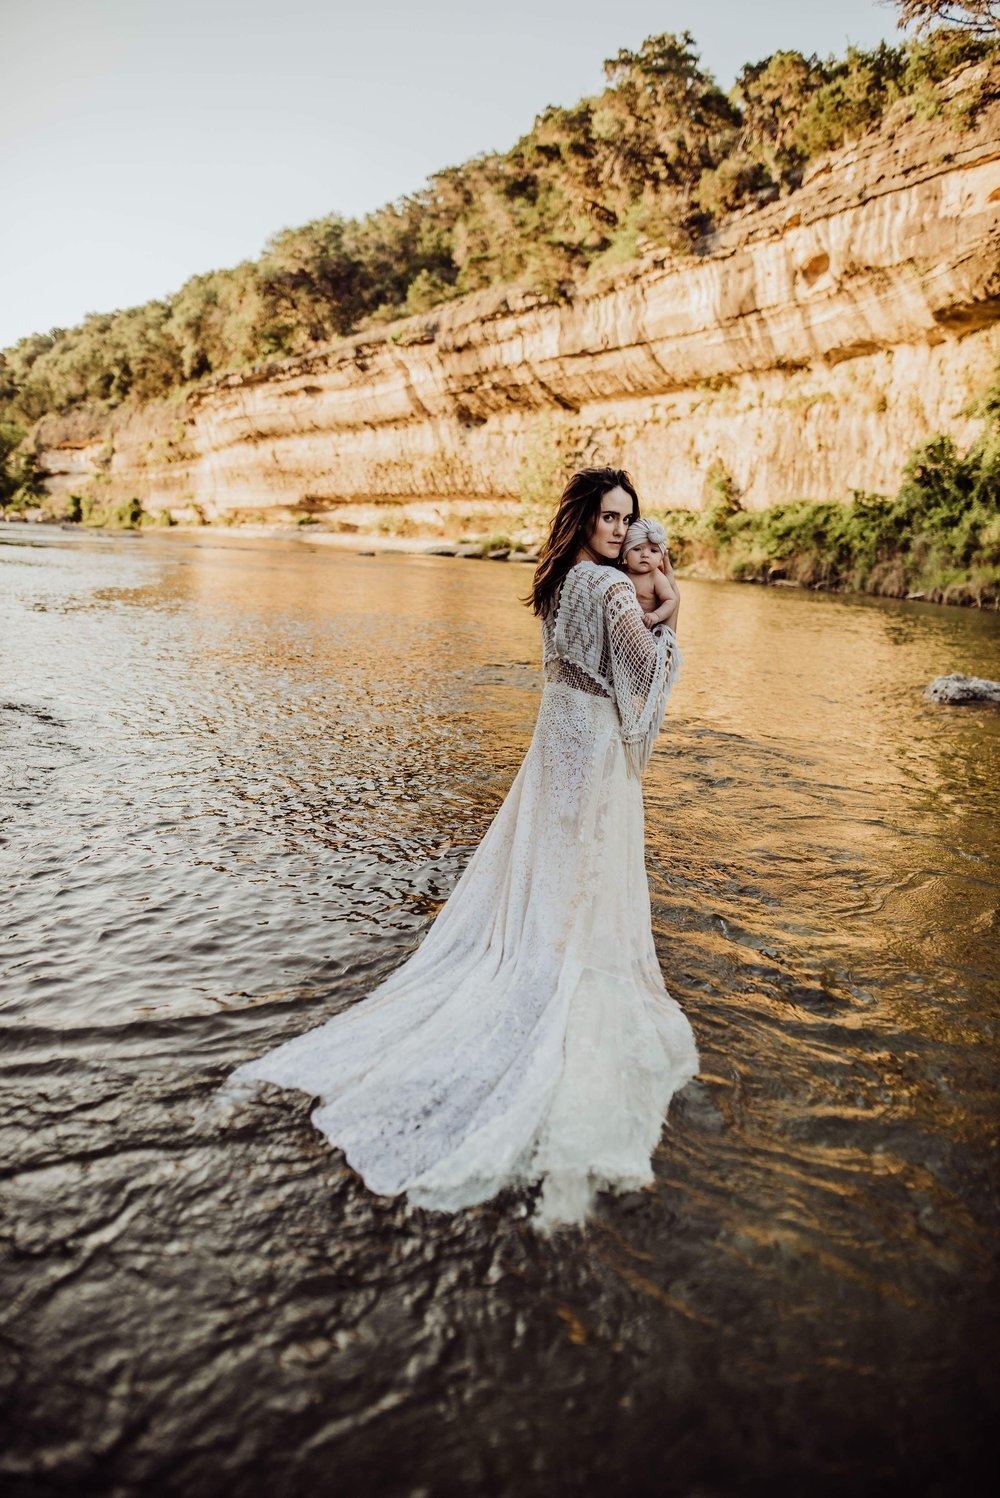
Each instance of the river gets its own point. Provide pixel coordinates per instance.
(239, 777)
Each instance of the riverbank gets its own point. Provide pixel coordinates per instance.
(936, 540)
(917, 547)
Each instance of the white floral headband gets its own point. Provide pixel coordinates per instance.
(644, 530)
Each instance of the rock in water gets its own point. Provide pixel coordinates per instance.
(958, 688)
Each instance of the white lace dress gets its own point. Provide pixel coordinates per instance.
(530, 1036)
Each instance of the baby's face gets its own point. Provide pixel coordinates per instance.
(642, 558)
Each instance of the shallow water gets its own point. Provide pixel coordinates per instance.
(239, 777)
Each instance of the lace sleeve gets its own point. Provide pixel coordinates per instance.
(644, 665)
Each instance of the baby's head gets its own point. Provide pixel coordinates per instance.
(644, 546)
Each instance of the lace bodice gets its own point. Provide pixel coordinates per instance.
(594, 640)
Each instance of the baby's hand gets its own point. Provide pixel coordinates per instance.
(649, 620)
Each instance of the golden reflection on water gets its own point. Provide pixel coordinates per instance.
(384, 703)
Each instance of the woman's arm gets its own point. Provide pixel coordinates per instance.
(643, 666)
(638, 656)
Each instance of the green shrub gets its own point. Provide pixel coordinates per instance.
(127, 515)
(938, 535)
(495, 542)
(21, 479)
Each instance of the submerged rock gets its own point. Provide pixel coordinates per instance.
(957, 688)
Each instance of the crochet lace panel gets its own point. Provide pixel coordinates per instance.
(573, 676)
(595, 634)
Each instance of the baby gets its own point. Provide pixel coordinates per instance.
(644, 554)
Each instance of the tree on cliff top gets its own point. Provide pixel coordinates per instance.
(663, 119)
(981, 17)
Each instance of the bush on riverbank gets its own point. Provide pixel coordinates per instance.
(21, 482)
(126, 515)
(938, 537)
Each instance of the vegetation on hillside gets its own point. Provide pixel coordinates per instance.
(657, 158)
(938, 537)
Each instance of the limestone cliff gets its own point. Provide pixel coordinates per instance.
(809, 346)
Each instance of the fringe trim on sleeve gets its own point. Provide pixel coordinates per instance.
(639, 744)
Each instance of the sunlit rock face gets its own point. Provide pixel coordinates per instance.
(809, 346)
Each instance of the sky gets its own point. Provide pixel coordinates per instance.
(144, 141)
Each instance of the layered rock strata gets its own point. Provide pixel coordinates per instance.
(808, 347)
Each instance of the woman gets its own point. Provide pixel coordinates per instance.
(530, 1036)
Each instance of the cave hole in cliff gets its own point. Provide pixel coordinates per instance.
(815, 267)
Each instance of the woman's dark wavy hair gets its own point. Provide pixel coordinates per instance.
(578, 508)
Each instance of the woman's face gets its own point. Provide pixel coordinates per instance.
(614, 516)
